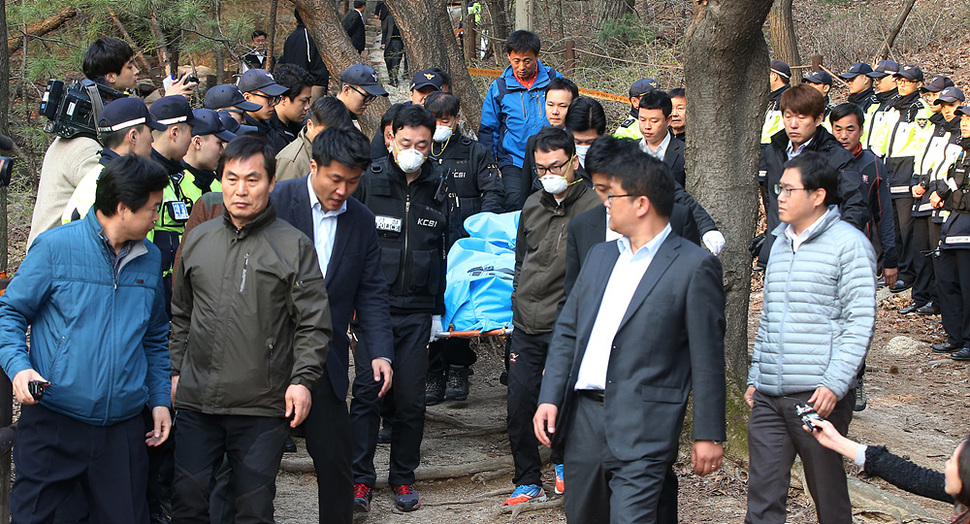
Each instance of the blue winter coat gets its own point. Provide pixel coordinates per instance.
(100, 339)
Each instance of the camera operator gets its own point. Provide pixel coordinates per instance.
(109, 62)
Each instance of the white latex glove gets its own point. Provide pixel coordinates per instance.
(714, 241)
(436, 328)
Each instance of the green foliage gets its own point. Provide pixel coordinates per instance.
(628, 29)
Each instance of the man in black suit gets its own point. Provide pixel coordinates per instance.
(256, 59)
(624, 359)
(345, 237)
(355, 26)
(659, 142)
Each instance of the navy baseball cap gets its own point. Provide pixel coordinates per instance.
(126, 112)
(643, 86)
(233, 126)
(856, 70)
(363, 76)
(937, 84)
(777, 66)
(227, 95)
(962, 110)
(172, 109)
(207, 122)
(260, 80)
(949, 95)
(819, 77)
(427, 78)
(884, 68)
(910, 72)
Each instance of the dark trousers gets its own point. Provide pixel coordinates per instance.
(954, 290)
(601, 488)
(903, 219)
(527, 358)
(512, 180)
(54, 452)
(924, 285)
(254, 446)
(411, 333)
(450, 352)
(775, 436)
(393, 54)
(328, 441)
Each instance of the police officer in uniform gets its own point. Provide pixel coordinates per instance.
(860, 86)
(954, 275)
(885, 92)
(209, 137)
(630, 128)
(408, 198)
(474, 185)
(779, 80)
(822, 81)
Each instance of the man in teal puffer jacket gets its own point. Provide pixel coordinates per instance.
(91, 292)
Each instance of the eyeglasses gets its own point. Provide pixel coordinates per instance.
(610, 197)
(787, 191)
(368, 98)
(273, 100)
(553, 169)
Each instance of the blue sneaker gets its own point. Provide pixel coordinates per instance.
(560, 479)
(526, 493)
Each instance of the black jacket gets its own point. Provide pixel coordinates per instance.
(674, 158)
(412, 225)
(956, 228)
(473, 180)
(275, 134)
(905, 475)
(299, 49)
(901, 167)
(864, 99)
(354, 26)
(875, 188)
(853, 207)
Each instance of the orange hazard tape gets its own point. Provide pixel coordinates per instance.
(495, 73)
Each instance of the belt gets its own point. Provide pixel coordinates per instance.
(593, 394)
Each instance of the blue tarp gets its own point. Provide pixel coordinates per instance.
(480, 272)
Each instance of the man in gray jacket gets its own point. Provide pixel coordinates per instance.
(250, 331)
(816, 325)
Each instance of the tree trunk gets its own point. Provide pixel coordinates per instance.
(220, 54)
(499, 27)
(783, 40)
(894, 32)
(41, 28)
(271, 35)
(726, 54)
(320, 17)
(426, 30)
(6, 395)
(611, 11)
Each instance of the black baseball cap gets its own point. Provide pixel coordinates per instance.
(949, 95)
(910, 72)
(962, 110)
(819, 77)
(937, 84)
(260, 80)
(227, 95)
(207, 122)
(884, 68)
(363, 76)
(126, 112)
(643, 86)
(856, 70)
(777, 66)
(427, 78)
(172, 109)
(233, 126)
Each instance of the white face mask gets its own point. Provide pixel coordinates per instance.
(409, 160)
(441, 133)
(581, 154)
(553, 184)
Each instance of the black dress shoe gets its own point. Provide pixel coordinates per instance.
(910, 309)
(928, 309)
(900, 286)
(946, 347)
(289, 446)
(963, 354)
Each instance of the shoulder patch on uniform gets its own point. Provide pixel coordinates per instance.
(630, 120)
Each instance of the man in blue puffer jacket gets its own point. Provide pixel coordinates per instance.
(515, 109)
(816, 324)
(91, 292)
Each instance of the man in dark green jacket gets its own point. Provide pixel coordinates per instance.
(250, 331)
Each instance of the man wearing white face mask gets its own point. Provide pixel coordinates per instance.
(408, 198)
(474, 185)
(540, 268)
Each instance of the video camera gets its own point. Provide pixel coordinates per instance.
(73, 110)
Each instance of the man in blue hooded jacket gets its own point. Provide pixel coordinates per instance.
(514, 110)
(91, 292)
